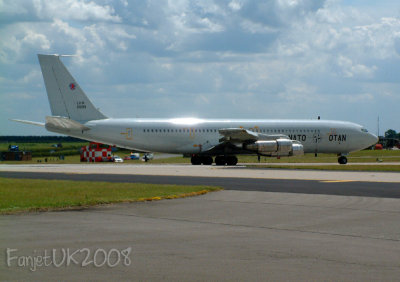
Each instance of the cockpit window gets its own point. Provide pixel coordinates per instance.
(364, 130)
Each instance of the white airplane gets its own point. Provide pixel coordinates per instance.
(73, 114)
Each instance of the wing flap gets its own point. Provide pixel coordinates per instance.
(244, 135)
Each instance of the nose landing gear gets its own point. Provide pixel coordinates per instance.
(342, 160)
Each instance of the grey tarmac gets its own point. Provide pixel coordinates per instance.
(226, 235)
(204, 171)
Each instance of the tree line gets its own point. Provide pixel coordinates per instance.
(392, 134)
(39, 139)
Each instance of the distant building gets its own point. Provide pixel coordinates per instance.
(16, 156)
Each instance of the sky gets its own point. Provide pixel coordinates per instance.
(273, 59)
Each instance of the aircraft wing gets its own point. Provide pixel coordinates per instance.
(233, 139)
(242, 135)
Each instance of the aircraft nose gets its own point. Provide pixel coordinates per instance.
(372, 139)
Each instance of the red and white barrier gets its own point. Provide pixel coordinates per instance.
(95, 152)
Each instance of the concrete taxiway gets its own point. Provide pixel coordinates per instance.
(332, 227)
(205, 171)
(225, 236)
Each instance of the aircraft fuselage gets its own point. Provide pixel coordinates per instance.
(194, 136)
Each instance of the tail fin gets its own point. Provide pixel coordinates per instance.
(66, 98)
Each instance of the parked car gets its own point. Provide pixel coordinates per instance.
(118, 159)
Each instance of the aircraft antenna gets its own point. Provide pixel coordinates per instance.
(378, 126)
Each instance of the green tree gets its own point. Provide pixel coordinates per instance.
(391, 134)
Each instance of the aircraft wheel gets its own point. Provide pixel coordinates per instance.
(231, 160)
(195, 160)
(220, 160)
(207, 160)
(342, 160)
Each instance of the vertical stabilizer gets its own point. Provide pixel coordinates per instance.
(66, 97)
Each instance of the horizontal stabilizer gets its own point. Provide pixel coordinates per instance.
(29, 122)
(64, 124)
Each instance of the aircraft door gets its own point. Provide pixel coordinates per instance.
(316, 141)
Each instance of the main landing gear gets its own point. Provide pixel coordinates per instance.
(226, 160)
(198, 160)
(342, 160)
(208, 160)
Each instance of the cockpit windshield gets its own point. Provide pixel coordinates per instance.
(364, 130)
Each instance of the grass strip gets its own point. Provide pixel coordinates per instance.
(376, 168)
(377, 156)
(17, 195)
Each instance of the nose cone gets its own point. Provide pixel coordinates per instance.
(371, 139)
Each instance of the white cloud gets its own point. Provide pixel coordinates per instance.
(351, 69)
(74, 10)
(20, 38)
(299, 92)
(242, 58)
(19, 96)
(32, 76)
(357, 98)
(235, 5)
(12, 7)
(38, 10)
(36, 39)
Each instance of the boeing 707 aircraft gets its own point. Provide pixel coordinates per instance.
(205, 140)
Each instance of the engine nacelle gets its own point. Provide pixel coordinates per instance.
(297, 149)
(279, 147)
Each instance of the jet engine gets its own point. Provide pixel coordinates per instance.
(279, 147)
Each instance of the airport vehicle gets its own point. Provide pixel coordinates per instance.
(205, 140)
(13, 148)
(117, 159)
(134, 156)
(148, 156)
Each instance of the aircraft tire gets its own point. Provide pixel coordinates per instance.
(220, 160)
(342, 160)
(195, 160)
(207, 160)
(231, 160)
